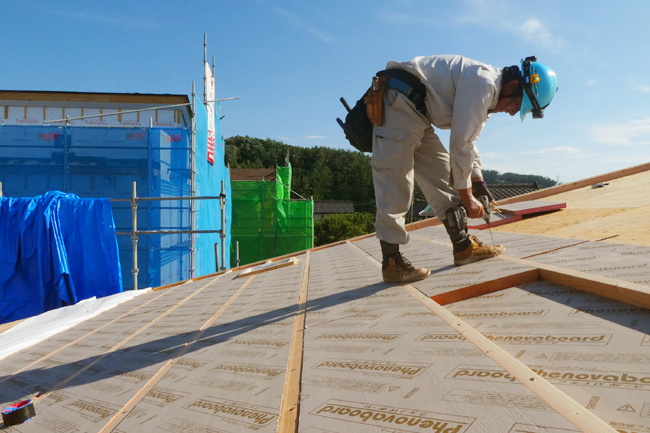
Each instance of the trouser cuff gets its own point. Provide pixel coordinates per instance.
(388, 250)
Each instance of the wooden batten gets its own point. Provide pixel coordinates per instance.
(487, 287)
(289, 411)
(547, 192)
(571, 410)
(623, 291)
(140, 395)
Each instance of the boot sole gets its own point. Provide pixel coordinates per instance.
(412, 280)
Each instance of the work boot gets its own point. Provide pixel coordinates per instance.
(397, 269)
(477, 251)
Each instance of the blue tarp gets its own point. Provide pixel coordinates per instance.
(55, 250)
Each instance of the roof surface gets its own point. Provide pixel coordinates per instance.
(43, 96)
(333, 206)
(620, 209)
(553, 337)
(501, 191)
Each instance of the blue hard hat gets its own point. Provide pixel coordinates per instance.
(540, 84)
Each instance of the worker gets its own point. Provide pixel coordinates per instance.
(450, 92)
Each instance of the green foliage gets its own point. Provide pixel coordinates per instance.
(321, 172)
(333, 174)
(493, 176)
(336, 228)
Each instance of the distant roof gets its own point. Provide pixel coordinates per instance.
(333, 206)
(502, 191)
(92, 97)
(267, 174)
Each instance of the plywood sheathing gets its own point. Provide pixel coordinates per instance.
(554, 191)
(368, 366)
(530, 207)
(620, 208)
(595, 350)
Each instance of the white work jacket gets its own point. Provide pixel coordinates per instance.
(460, 91)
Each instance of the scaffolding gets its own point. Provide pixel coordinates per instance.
(135, 233)
(266, 222)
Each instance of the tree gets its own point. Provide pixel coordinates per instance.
(493, 176)
(334, 174)
(336, 228)
(319, 172)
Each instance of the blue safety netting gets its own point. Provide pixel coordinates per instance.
(56, 249)
(95, 162)
(208, 184)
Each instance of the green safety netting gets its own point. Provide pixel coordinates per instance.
(266, 222)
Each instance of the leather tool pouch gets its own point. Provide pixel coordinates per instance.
(374, 100)
(357, 127)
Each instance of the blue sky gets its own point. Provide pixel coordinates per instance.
(290, 61)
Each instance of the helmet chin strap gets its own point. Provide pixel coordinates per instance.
(528, 81)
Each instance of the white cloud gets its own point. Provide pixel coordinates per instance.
(495, 15)
(623, 134)
(124, 21)
(502, 16)
(287, 139)
(641, 88)
(555, 151)
(496, 156)
(534, 31)
(310, 137)
(318, 34)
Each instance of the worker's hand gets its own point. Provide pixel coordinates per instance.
(479, 188)
(473, 207)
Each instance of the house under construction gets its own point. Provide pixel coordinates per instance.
(552, 337)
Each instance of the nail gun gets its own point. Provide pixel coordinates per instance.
(487, 206)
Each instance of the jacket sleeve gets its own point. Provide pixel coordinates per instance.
(476, 92)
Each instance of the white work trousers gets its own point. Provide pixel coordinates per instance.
(406, 145)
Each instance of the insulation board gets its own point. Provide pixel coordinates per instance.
(232, 378)
(594, 349)
(369, 367)
(445, 276)
(620, 261)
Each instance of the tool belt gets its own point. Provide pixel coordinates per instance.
(400, 80)
(369, 110)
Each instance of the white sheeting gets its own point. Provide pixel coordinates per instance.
(43, 326)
